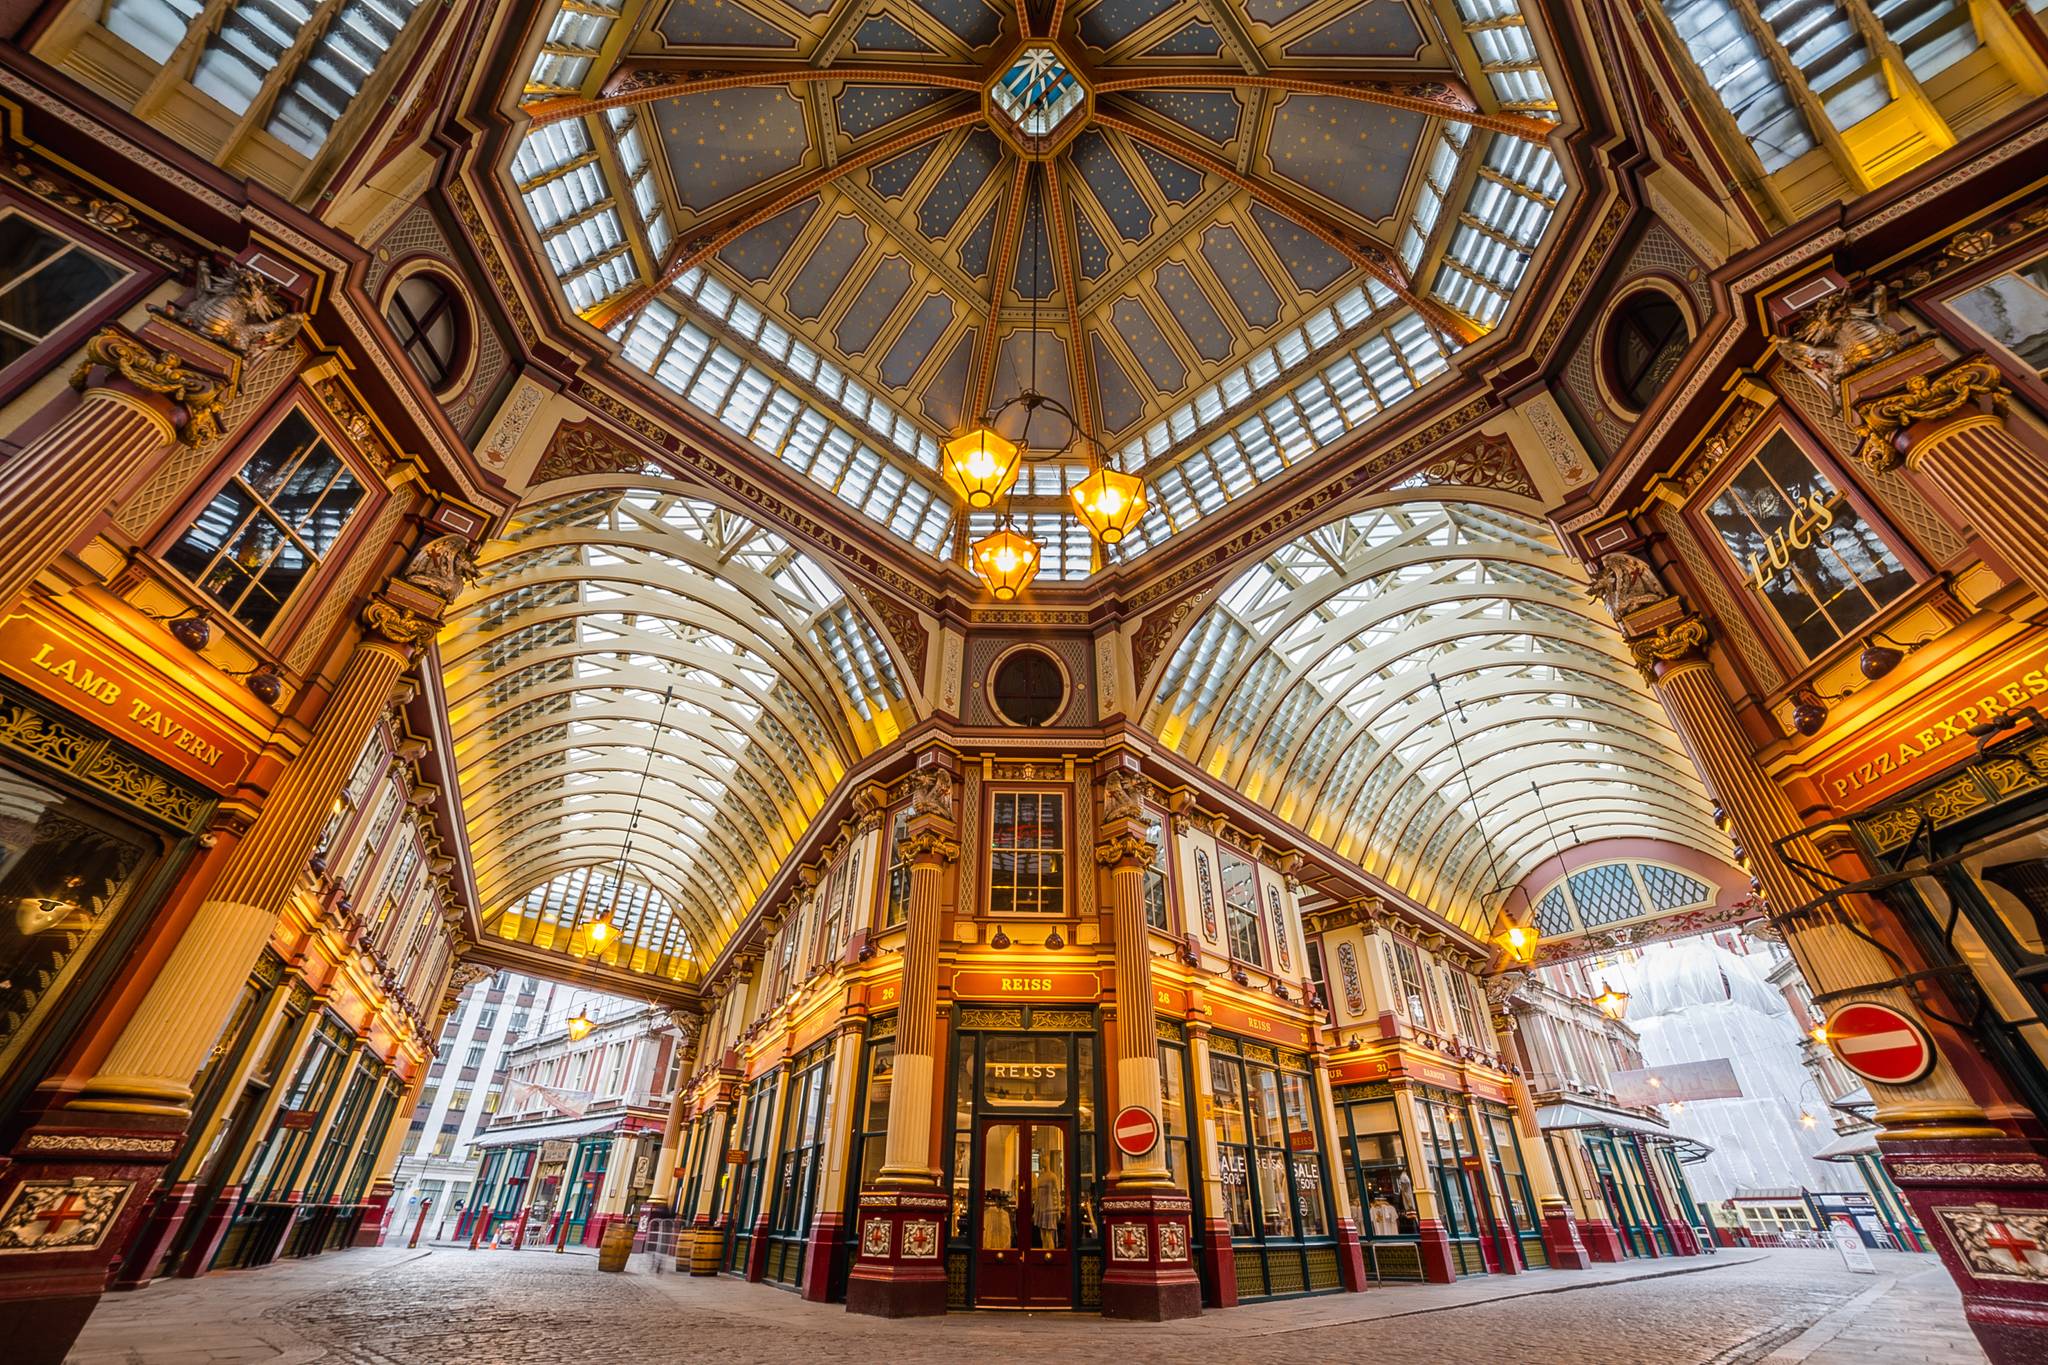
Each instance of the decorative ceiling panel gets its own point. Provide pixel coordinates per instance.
(868, 205)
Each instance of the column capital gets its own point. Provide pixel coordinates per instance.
(1924, 397)
(931, 843)
(392, 624)
(202, 397)
(1125, 846)
(1682, 638)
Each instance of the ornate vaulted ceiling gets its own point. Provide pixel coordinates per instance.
(1225, 233)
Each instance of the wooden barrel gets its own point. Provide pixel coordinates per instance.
(616, 1247)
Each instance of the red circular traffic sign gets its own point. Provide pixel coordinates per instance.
(1880, 1043)
(1135, 1130)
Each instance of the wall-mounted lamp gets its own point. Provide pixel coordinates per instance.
(999, 940)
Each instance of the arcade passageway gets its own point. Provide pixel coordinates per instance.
(447, 1304)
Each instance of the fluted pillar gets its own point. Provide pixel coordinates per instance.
(1838, 961)
(151, 1065)
(900, 1267)
(1949, 428)
(1151, 1272)
(135, 402)
(1994, 481)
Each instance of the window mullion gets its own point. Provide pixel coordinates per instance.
(259, 110)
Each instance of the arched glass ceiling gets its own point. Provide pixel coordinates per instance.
(1308, 685)
(594, 603)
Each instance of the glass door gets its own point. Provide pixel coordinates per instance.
(1025, 1215)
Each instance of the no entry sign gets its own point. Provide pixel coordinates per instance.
(1880, 1043)
(1136, 1131)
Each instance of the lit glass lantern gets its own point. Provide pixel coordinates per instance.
(1006, 561)
(1611, 1002)
(580, 1024)
(980, 466)
(1109, 502)
(1520, 942)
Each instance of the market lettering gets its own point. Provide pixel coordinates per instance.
(101, 689)
(1810, 516)
(1027, 983)
(1909, 749)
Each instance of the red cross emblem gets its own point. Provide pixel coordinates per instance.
(65, 1210)
(2011, 1243)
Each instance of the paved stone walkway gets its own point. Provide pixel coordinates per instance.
(430, 1306)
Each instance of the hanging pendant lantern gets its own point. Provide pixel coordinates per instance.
(1006, 561)
(980, 466)
(580, 1023)
(1109, 502)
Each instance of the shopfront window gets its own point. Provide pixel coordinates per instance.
(1506, 1153)
(873, 1134)
(1404, 964)
(1270, 1157)
(270, 526)
(1377, 1171)
(1025, 1071)
(1804, 548)
(1446, 1142)
(46, 280)
(758, 1127)
(1027, 854)
(67, 872)
(807, 1116)
(1174, 1136)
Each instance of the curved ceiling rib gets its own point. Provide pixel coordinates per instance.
(1395, 681)
(641, 679)
(1263, 228)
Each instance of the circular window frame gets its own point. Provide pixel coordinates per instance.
(995, 666)
(1603, 367)
(465, 320)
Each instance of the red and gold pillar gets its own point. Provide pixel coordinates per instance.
(134, 402)
(899, 1267)
(1965, 1177)
(1149, 1270)
(91, 1164)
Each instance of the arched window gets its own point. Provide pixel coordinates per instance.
(1645, 338)
(428, 319)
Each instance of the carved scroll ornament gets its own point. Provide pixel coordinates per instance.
(1924, 398)
(203, 396)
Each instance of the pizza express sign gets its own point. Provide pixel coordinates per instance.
(1916, 741)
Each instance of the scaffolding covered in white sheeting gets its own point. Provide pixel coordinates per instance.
(1694, 1000)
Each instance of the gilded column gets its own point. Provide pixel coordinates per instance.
(135, 402)
(1938, 428)
(900, 1268)
(1838, 961)
(150, 1068)
(1432, 1239)
(1151, 1273)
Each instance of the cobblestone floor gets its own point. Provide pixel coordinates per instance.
(387, 1307)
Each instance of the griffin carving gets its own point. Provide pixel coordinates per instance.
(1123, 796)
(443, 566)
(1625, 583)
(237, 307)
(931, 793)
(1842, 332)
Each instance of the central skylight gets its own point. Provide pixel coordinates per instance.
(826, 246)
(1038, 92)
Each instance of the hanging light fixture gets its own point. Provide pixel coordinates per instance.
(580, 1024)
(1006, 561)
(601, 928)
(1611, 1002)
(1109, 502)
(1520, 941)
(981, 465)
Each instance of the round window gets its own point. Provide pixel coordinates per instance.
(1645, 338)
(1028, 687)
(427, 316)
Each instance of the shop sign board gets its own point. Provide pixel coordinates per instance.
(297, 1120)
(1880, 1043)
(1025, 983)
(86, 676)
(1231, 1019)
(1917, 740)
(1851, 1246)
(1136, 1130)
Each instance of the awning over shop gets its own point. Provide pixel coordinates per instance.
(1575, 1115)
(542, 1132)
(1849, 1148)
